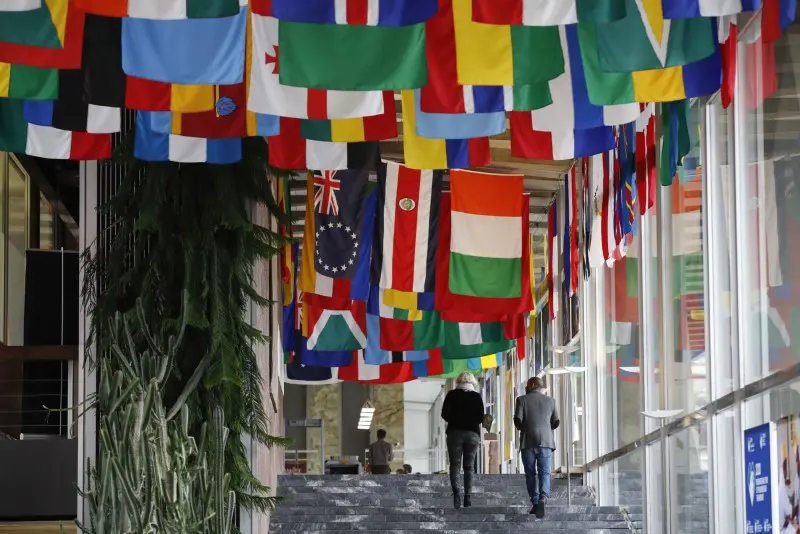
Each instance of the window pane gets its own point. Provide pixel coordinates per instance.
(690, 504)
(17, 244)
(768, 203)
(46, 225)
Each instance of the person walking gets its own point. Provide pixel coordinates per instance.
(462, 410)
(536, 417)
(380, 455)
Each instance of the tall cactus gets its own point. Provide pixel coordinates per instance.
(153, 475)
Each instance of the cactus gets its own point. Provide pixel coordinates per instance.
(153, 475)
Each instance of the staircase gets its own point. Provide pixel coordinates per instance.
(406, 504)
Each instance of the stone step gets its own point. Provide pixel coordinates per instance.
(286, 509)
(543, 530)
(415, 492)
(481, 526)
(522, 517)
(438, 502)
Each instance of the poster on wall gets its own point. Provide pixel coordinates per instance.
(788, 476)
(761, 479)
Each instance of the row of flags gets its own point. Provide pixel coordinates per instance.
(202, 74)
(399, 278)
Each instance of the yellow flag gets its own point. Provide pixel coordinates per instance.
(483, 51)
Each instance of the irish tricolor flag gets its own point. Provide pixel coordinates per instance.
(486, 237)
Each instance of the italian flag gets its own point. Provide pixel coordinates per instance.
(486, 241)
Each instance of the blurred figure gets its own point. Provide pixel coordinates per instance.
(536, 416)
(407, 469)
(463, 412)
(380, 455)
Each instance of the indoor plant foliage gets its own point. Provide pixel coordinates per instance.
(184, 245)
(153, 475)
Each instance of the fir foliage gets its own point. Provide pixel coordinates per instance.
(185, 230)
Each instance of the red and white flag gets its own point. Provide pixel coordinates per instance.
(573, 229)
(646, 159)
(553, 256)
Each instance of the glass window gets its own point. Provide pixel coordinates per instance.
(726, 465)
(768, 202)
(689, 365)
(689, 470)
(17, 244)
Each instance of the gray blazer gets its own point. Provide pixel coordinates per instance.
(536, 416)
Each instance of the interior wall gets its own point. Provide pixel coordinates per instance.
(354, 441)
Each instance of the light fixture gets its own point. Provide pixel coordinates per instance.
(662, 414)
(365, 419)
(566, 349)
(557, 370)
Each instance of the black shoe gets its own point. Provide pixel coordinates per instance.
(540, 508)
(467, 501)
(533, 510)
(457, 500)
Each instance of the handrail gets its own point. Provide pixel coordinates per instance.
(775, 380)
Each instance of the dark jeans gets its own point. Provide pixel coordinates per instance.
(462, 448)
(536, 461)
(380, 469)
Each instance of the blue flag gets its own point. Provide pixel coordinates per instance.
(190, 51)
(380, 13)
(457, 125)
(149, 145)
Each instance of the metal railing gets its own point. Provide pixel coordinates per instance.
(34, 409)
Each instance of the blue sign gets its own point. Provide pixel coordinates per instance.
(758, 479)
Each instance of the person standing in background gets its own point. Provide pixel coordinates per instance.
(380, 455)
(536, 417)
(462, 410)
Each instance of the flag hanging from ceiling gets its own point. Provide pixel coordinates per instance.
(432, 367)
(212, 125)
(443, 93)
(687, 9)
(162, 9)
(44, 27)
(404, 254)
(355, 12)
(729, 40)
(391, 373)
(546, 12)
(289, 251)
(422, 153)
(375, 355)
(409, 301)
(571, 107)
(149, 145)
(269, 95)
(336, 330)
(344, 289)
(28, 83)
(646, 159)
(697, 79)
(486, 242)
(338, 220)
(553, 255)
(16, 135)
(66, 56)
(20, 5)
(650, 41)
(500, 307)
(526, 142)
(70, 112)
(355, 130)
(427, 332)
(304, 375)
(288, 150)
(196, 51)
(503, 55)
(466, 334)
(352, 58)
(457, 126)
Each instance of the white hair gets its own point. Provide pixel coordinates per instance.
(467, 378)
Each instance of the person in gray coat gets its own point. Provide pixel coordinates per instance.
(536, 416)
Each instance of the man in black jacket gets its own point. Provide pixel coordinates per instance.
(536, 416)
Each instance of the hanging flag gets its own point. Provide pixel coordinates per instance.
(197, 51)
(464, 334)
(566, 265)
(28, 83)
(289, 251)
(687, 9)
(476, 352)
(355, 130)
(546, 12)
(336, 330)
(43, 27)
(526, 142)
(457, 126)
(355, 12)
(391, 373)
(268, 95)
(646, 159)
(377, 306)
(675, 139)
(573, 229)
(338, 218)
(691, 80)
(149, 145)
(404, 254)
(352, 58)
(571, 107)
(485, 243)
(650, 41)
(20, 5)
(288, 150)
(729, 39)
(446, 301)
(503, 55)
(432, 367)
(375, 355)
(67, 55)
(304, 375)
(410, 301)
(425, 333)
(443, 93)
(343, 289)
(588, 212)
(70, 112)
(552, 261)
(16, 135)
(776, 16)
(422, 153)
(161, 9)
